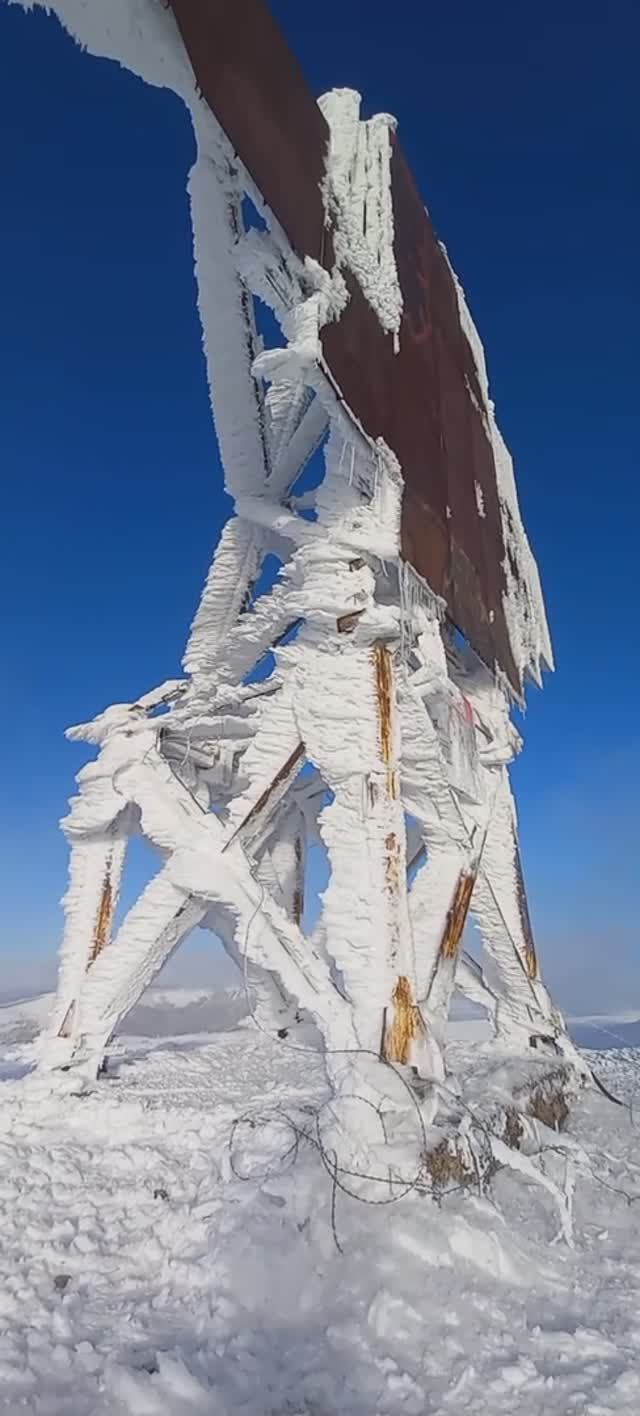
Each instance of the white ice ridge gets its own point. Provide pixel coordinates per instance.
(141, 35)
(358, 201)
(524, 606)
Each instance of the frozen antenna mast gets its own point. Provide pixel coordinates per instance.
(403, 623)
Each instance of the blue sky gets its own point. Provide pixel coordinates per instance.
(521, 125)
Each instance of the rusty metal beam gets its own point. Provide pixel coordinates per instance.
(102, 931)
(403, 1027)
(263, 809)
(403, 1024)
(101, 934)
(383, 667)
(530, 955)
(458, 914)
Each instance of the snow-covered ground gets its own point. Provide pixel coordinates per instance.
(139, 1274)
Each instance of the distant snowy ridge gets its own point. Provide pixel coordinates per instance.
(166, 1012)
(162, 1012)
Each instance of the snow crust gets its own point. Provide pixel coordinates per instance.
(358, 201)
(140, 1276)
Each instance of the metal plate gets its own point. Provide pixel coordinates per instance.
(425, 400)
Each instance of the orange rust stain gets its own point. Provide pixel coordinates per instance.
(531, 961)
(103, 923)
(457, 916)
(406, 1024)
(285, 772)
(384, 694)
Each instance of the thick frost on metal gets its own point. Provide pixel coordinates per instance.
(523, 600)
(333, 708)
(375, 282)
(358, 201)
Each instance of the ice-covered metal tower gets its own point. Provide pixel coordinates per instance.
(363, 698)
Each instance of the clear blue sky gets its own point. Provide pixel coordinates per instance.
(521, 123)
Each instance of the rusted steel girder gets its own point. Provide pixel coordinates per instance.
(269, 799)
(458, 914)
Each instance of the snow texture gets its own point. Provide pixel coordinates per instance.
(358, 201)
(141, 1276)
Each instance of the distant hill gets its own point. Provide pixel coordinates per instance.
(163, 1012)
(606, 1032)
(177, 1012)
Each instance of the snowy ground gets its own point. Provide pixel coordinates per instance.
(139, 1275)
